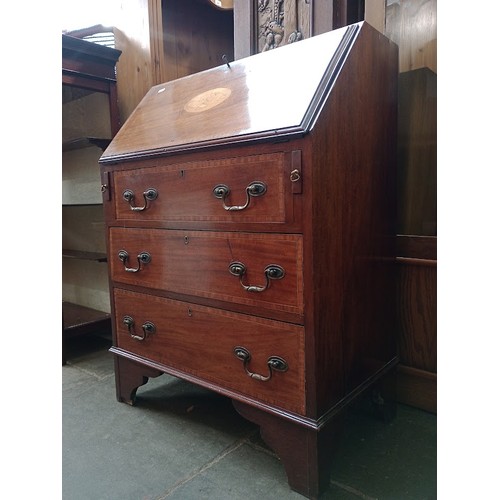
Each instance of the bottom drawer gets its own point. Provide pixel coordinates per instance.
(201, 341)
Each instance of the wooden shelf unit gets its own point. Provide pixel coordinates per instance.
(79, 320)
(90, 120)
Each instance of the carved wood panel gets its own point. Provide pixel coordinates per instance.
(280, 22)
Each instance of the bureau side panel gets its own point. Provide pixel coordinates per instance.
(354, 214)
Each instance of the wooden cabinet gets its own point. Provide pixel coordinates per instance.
(412, 24)
(251, 241)
(89, 121)
(417, 239)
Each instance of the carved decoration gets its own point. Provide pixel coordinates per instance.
(280, 22)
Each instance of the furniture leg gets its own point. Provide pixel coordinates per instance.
(306, 452)
(129, 376)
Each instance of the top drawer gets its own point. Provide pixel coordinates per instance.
(248, 189)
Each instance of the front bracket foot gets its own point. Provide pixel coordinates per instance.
(306, 453)
(129, 376)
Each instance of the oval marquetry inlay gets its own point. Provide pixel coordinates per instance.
(207, 100)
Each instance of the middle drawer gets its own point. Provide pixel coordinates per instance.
(263, 270)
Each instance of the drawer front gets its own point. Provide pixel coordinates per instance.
(204, 264)
(240, 189)
(201, 341)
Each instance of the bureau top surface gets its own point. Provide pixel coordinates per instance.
(268, 95)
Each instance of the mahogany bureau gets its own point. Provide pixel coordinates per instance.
(250, 218)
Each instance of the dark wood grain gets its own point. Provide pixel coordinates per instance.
(417, 325)
(417, 153)
(350, 293)
(417, 321)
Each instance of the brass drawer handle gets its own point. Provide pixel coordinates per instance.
(142, 258)
(271, 272)
(274, 363)
(149, 195)
(254, 189)
(148, 328)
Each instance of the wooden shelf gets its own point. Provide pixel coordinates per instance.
(79, 320)
(96, 204)
(85, 142)
(87, 67)
(79, 254)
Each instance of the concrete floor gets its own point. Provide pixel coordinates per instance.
(182, 442)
